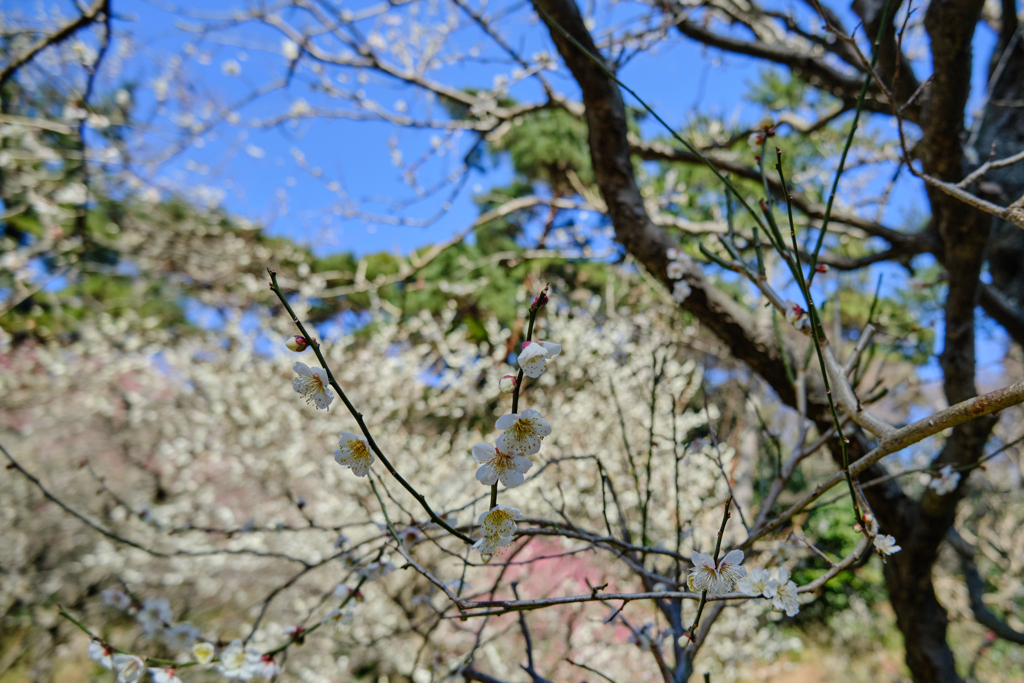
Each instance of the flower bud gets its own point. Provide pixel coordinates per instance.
(540, 299)
(507, 384)
(296, 343)
(821, 268)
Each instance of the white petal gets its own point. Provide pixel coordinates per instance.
(551, 348)
(482, 452)
(734, 557)
(783, 576)
(521, 464)
(702, 560)
(301, 369)
(512, 479)
(486, 475)
(506, 422)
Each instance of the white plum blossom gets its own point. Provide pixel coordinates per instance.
(497, 466)
(313, 385)
(116, 599)
(681, 291)
(164, 675)
(705, 576)
(410, 535)
(886, 544)
(783, 594)
(795, 314)
(204, 652)
(523, 432)
(755, 583)
(231, 68)
(377, 570)
(154, 615)
(354, 453)
(342, 591)
(946, 482)
(236, 661)
(99, 652)
(534, 357)
(499, 527)
(507, 384)
(342, 618)
(676, 270)
(289, 49)
(130, 669)
(181, 636)
(266, 666)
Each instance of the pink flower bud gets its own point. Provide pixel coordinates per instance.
(296, 343)
(507, 384)
(821, 268)
(540, 299)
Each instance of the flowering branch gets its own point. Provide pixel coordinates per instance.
(420, 498)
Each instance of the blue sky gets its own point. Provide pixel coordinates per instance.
(346, 161)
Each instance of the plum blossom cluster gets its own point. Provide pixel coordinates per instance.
(678, 263)
(781, 590)
(718, 579)
(508, 459)
(946, 482)
(236, 661)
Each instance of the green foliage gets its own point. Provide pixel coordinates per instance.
(549, 146)
(835, 536)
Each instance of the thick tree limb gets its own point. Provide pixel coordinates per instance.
(60, 35)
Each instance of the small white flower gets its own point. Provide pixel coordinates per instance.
(946, 482)
(704, 576)
(756, 140)
(164, 676)
(293, 631)
(499, 527)
(497, 466)
(754, 583)
(794, 312)
(130, 669)
(99, 652)
(507, 384)
(886, 544)
(676, 269)
(342, 618)
(620, 357)
(116, 599)
(410, 535)
(783, 594)
(681, 291)
(523, 432)
(354, 453)
(673, 253)
(204, 652)
(266, 666)
(181, 636)
(313, 384)
(289, 49)
(231, 68)
(154, 615)
(342, 591)
(236, 661)
(534, 357)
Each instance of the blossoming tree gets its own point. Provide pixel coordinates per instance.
(614, 474)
